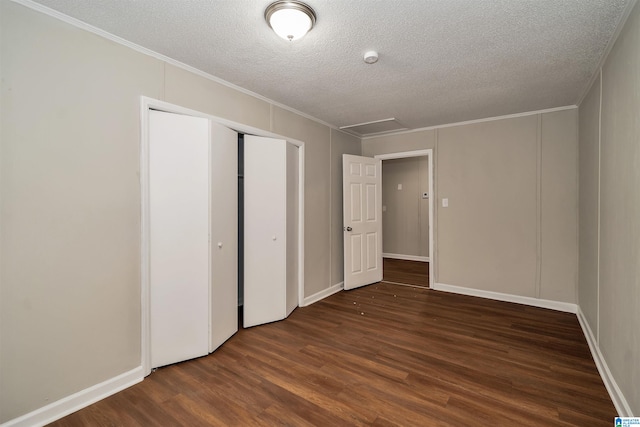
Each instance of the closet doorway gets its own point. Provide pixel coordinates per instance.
(209, 166)
(407, 212)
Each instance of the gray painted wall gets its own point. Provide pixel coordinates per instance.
(512, 190)
(405, 216)
(609, 279)
(70, 214)
(70, 219)
(589, 158)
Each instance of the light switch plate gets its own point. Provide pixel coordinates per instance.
(399, 186)
(445, 203)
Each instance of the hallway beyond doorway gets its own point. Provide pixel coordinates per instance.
(414, 273)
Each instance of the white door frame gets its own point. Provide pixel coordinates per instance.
(429, 154)
(146, 104)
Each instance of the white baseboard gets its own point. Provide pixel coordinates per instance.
(535, 302)
(77, 401)
(321, 295)
(406, 257)
(621, 404)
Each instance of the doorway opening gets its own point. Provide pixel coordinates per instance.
(407, 212)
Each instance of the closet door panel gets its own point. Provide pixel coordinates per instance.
(265, 191)
(179, 237)
(224, 234)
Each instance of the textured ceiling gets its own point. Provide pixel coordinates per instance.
(441, 61)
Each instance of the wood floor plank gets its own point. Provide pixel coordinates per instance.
(414, 273)
(382, 355)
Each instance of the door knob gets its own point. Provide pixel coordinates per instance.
(349, 229)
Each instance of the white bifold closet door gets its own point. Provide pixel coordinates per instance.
(192, 200)
(270, 229)
(224, 234)
(179, 237)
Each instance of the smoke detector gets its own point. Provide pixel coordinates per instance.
(371, 57)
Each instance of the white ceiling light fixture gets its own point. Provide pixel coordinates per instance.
(290, 19)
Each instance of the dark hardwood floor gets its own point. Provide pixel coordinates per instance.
(414, 273)
(382, 355)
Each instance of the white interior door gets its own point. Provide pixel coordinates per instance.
(179, 237)
(362, 220)
(224, 234)
(265, 222)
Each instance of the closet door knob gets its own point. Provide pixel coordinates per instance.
(220, 244)
(273, 238)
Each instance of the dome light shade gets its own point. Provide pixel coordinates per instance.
(290, 19)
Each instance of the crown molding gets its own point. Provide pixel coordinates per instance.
(116, 39)
(470, 122)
